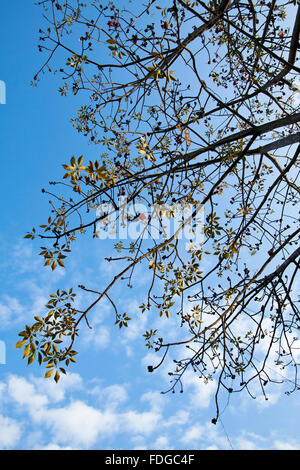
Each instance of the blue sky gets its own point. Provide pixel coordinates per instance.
(108, 400)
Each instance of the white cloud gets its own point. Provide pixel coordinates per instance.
(56, 392)
(245, 444)
(161, 443)
(138, 442)
(151, 358)
(141, 423)
(10, 432)
(137, 325)
(53, 447)
(180, 418)
(193, 434)
(250, 441)
(200, 393)
(203, 436)
(112, 396)
(24, 394)
(98, 337)
(283, 445)
(3, 391)
(77, 424)
(145, 423)
(155, 399)
(11, 311)
(25, 260)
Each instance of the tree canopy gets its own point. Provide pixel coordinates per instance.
(191, 106)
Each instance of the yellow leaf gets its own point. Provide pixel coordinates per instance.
(21, 343)
(27, 351)
(31, 359)
(54, 264)
(48, 373)
(68, 167)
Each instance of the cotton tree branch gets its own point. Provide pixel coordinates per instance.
(151, 126)
(255, 130)
(279, 271)
(292, 52)
(288, 66)
(289, 140)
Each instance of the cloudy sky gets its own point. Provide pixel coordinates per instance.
(108, 400)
